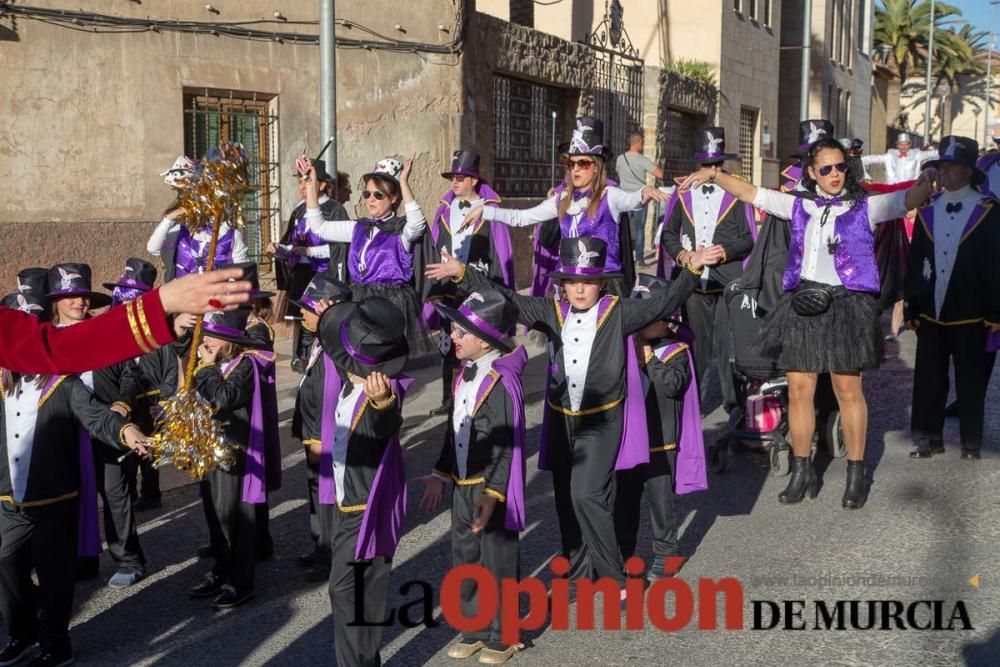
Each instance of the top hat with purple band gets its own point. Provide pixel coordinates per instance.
(249, 273)
(582, 258)
(72, 280)
(229, 325)
(463, 163)
(485, 315)
(365, 337)
(588, 139)
(322, 288)
(31, 303)
(811, 131)
(139, 274)
(959, 150)
(33, 280)
(712, 146)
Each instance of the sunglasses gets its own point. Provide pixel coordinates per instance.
(579, 164)
(459, 177)
(458, 331)
(828, 169)
(368, 194)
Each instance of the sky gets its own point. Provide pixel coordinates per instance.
(977, 12)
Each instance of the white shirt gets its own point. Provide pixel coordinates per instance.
(898, 168)
(707, 207)
(461, 241)
(465, 403)
(817, 260)
(948, 228)
(21, 412)
(619, 202)
(342, 231)
(166, 233)
(578, 335)
(343, 414)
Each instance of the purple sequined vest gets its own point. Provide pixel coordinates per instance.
(602, 226)
(303, 236)
(386, 261)
(854, 256)
(192, 255)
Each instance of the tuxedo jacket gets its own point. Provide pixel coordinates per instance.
(668, 380)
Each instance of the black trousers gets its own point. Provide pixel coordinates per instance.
(583, 454)
(237, 527)
(708, 318)
(494, 547)
(356, 645)
(44, 539)
(964, 344)
(321, 517)
(449, 364)
(656, 478)
(149, 487)
(114, 483)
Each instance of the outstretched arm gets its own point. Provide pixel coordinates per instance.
(742, 190)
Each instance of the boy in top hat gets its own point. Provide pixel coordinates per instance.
(902, 163)
(361, 464)
(704, 217)
(302, 254)
(593, 422)
(48, 500)
(483, 454)
(676, 447)
(952, 298)
(484, 247)
(307, 421)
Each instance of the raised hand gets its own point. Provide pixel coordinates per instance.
(404, 176)
(471, 218)
(377, 387)
(697, 178)
(705, 257)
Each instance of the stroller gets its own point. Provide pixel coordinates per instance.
(763, 423)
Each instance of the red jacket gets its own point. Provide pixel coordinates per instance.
(125, 332)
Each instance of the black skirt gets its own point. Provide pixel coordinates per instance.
(846, 338)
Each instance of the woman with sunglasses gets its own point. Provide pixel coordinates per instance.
(586, 204)
(383, 244)
(827, 318)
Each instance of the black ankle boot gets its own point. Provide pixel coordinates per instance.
(803, 481)
(856, 493)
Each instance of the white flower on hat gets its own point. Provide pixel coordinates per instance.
(952, 147)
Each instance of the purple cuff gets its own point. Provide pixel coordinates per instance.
(480, 322)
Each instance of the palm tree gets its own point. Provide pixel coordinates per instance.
(901, 32)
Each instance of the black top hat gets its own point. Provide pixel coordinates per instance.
(961, 150)
(486, 315)
(139, 274)
(34, 280)
(321, 172)
(72, 280)
(325, 288)
(811, 131)
(365, 337)
(588, 139)
(229, 325)
(249, 273)
(582, 257)
(464, 163)
(712, 146)
(32, 303)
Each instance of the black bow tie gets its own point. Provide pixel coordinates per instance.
(464, 204)
(469, 373)
(708, 189)
(953, 208)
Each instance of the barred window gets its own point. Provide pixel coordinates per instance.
(677, 147)
(748, 138)
(251, 119)
(523, 155)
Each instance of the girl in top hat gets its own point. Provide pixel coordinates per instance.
(483, 454)
(593, 422)
(587, 204)
(182, 252)
(230, 378)
(314, 394)
(48, 501)
(827, 318)
(386, 257)
(361, 464)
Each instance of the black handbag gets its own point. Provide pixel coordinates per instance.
(812, 301)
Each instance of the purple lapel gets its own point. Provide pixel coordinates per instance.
(260, 473)
(634, 447)
(328, 427)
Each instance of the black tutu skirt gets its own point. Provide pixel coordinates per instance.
(405, 298)
(845, 339)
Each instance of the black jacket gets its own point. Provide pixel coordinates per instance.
(667, 383)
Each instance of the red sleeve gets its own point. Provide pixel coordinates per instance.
(122, 333)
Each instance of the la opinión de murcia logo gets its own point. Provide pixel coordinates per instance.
(644, 607)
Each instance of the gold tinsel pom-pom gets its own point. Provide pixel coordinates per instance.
(189, 438)
(215, 189)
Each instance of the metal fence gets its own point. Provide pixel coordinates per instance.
(523, 136)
